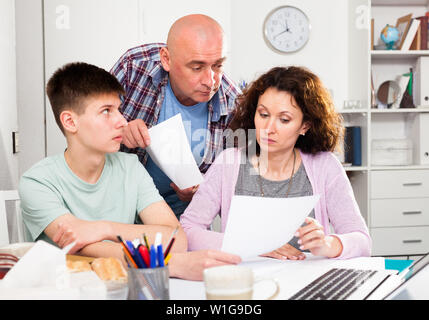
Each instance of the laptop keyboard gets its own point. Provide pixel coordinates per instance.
(336, 284)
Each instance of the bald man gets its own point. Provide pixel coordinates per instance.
(184, 76)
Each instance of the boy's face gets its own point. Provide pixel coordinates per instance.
(100, 128)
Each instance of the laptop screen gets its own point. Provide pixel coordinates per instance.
(409, 275)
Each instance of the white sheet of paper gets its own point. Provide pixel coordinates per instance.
(42, 265)
(169, 149)
(41, 273)
(258, 225)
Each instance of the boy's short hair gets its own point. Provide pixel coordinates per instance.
(72, 84)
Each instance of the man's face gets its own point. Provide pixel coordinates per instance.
(195, 69)
(100, 128)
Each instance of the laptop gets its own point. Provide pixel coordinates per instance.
(353, 284)
(415, 283)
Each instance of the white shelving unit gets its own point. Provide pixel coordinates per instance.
(386, 55)
(394, 200)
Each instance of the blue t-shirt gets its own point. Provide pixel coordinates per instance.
(195, 122)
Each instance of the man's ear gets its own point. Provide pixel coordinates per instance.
(165, 58)
(68, 121)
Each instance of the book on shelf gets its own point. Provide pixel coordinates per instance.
(403, 82)
(423, 32)
(411, 34)
(416, 44)
(353, 146)
(427, 15)
(407, 100)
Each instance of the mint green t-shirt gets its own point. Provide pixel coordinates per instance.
(50, 189)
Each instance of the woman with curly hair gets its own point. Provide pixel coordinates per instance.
(292, 129)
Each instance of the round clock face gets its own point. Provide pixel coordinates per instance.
(286, 29)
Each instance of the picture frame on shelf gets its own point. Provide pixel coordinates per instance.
(403, 24)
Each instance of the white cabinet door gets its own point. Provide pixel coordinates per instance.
(399, 184)
(92, 31)
(399, 212)
(402, 241)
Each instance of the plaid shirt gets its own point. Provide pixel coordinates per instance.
(141, 74)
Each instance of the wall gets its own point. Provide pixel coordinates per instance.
(8, 109)
(155, 29)
(100, 30)
(325, 53)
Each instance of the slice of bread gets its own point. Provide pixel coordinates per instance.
(109, 269)
(78, 266)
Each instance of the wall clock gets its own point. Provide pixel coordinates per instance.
(286, 29)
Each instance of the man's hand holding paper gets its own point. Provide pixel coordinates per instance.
(136, 134)
(171, 152)
(185, 194)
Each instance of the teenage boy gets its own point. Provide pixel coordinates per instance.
(92, 193)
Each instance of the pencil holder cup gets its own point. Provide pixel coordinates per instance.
(148, 284)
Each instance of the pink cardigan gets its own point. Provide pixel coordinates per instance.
(337, 205)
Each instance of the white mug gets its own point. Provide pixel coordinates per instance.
(232, 282)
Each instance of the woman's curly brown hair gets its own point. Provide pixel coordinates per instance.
(326, 130)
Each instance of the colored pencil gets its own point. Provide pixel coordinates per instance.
(127, 252)
(170, 242)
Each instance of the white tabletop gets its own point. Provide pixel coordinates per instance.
(291, 275)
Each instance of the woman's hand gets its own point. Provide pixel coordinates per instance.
(312, 237)
(285, 252)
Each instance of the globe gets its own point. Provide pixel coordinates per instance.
(389, 35)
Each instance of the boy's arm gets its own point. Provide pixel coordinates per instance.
(159, 213)
(67, 228)
(157, 217)
(104, 249)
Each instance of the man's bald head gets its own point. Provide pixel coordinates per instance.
(194, 58)
(195, 28)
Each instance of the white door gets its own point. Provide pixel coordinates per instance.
(92, 31)
(100, 31)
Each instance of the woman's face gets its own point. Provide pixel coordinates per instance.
(278, 121)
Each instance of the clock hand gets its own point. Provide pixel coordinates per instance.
(287, 30)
